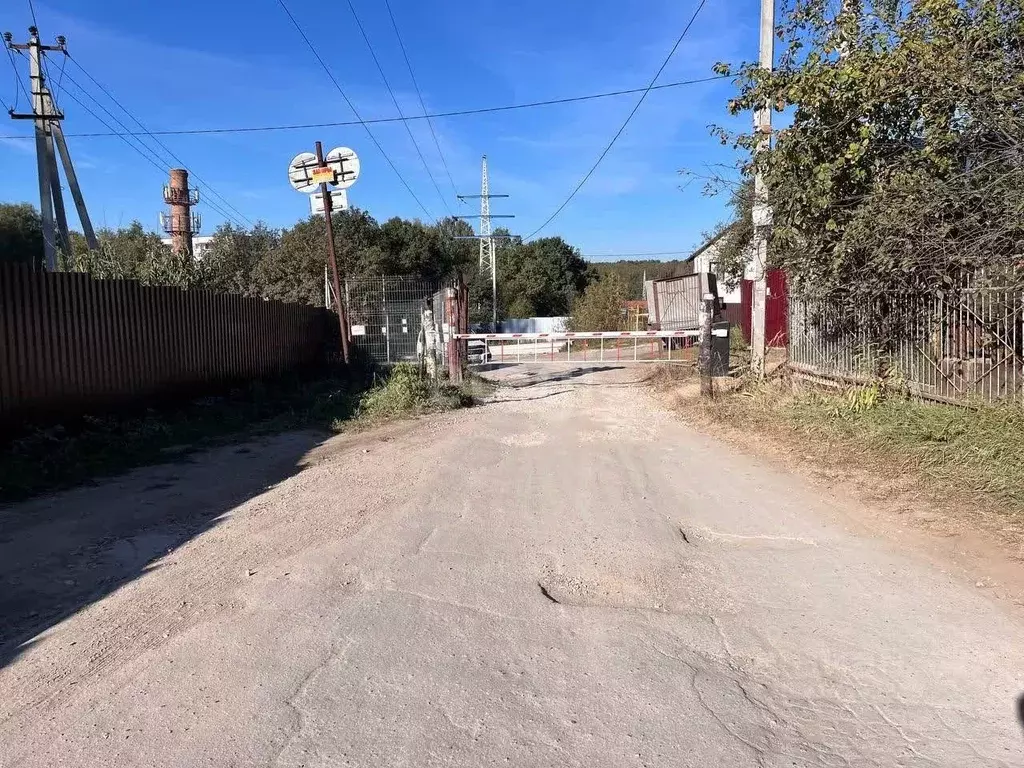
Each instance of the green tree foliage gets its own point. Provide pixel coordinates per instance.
(734, 238)
(541, 278)
(21, 234)
(632, 272)
(902, 166)
(231, 260)
(602, 305)
(132, 253)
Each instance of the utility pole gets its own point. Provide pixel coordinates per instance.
(326, 192)
(488, 251)
(49, 143)
(762, 212)
(180, 223)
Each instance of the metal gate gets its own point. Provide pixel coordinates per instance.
(386, 314)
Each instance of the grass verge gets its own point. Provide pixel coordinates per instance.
(61, 456)
(976, 451)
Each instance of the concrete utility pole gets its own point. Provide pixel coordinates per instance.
(180, 223)
(49, 142)
(488, 252)
(762, 212)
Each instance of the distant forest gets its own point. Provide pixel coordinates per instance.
(632, 272)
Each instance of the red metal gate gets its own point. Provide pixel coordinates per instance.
(776, 324)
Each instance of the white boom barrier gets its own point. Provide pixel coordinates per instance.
(639, 346)
(559, 336)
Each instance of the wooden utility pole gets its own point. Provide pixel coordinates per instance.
(342, 321)
(762, 212)
(49, 143)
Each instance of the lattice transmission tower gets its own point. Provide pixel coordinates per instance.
(488, 251)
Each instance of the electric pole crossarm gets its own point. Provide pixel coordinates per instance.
(49, 143)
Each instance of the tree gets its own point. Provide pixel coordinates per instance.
(21, 234)
(294, 270)
(232, 259)
(903, 163)
(132, 253)
(541, 278)
(632, 272)
(602, 306)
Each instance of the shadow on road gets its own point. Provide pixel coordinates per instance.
(533, 377)
(63, 552)
(529, 399)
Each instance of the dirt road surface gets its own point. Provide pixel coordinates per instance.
(566, 576)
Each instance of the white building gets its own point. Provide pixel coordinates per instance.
(705, 259)
(200, 244)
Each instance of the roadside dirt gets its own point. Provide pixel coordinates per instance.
(968, 535)
(566, 575)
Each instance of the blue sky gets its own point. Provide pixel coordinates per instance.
(192, 64)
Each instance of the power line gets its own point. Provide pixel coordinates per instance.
(622, 128)
(634, 255)
(20, 87)
(419, 94)
(167, 149)
(352, 107)
(32, 9)
(381, 120)
(394, 101)
(146, 152)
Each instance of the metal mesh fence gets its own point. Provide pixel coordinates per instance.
(386, 314)
(952, 346)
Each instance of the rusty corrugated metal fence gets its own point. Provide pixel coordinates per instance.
(70, 343)
(961, 346)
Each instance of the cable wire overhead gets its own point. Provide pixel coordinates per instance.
(209, 188)
(398, 108)
(380, 120)
(419, 94)
(622, 128)
(351, 106)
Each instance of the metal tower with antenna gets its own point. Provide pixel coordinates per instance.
(488, 252)
(180, 222)
(50, 142)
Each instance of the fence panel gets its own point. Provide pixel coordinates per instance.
(957, 346)
(70, 343)
(386, 313)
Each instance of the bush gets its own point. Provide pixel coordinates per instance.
(404, 392)
(601, 306)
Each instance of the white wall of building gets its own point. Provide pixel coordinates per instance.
(707, 261)
(200, 244)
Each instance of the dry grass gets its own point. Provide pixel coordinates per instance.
(976, 454)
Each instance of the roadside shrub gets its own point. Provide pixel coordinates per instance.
(602, 306)
(404, 391)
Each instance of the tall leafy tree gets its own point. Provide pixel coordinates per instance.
(541, 278)
(21, 234)
(902, 165)
(230, 262)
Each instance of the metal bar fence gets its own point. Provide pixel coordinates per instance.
(386, 314)
(956, 346)
(70, 343)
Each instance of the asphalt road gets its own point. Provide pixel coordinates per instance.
(567, 576)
